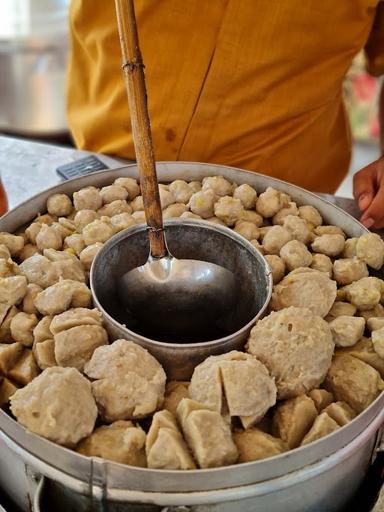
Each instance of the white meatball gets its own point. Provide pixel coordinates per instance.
(311, 215)
(323, 263)
(29, 298)
(137, 204)
(74, 242)
(247, 229)
(328, 230)
(349, 250)
(4, 252)
(365, 293)
(251, 216)
(195, 186)
(256, 244)
(330, 245)
(32, 231)
(39, 270)
(22, 325)
(291, 209)
(247, 196)
(48, 238)
(181, 191)
(113, 193)
(130, 186)
(97, 231)
(340, 309)
(202, 203)
(166, 198)
(27, 251)
(59, 204)
(14, 243)
(275, 238)
(139, 217)
(219, 185)
(216, 220)
(114, 208)
(89, 253)
(347, 330)
(378, 342)
(83, 218)
(271, 201)
(88, 198)
(345, 271)
(295, 254)
(277, 266)
(190, 215)
(174, 210)
(370, 248)
(122, 221)
(228, 209)
(298, 227)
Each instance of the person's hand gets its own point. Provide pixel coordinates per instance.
(368, 190)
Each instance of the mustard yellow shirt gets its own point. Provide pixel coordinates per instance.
(255, 84)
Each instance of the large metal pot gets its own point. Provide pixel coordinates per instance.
(322, 476)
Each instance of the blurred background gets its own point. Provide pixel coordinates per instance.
(33, 52)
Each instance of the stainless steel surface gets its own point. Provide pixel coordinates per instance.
(33, 54)
(328, 471)
(196, 239)
(178, 299)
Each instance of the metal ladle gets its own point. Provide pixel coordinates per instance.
(179, 296)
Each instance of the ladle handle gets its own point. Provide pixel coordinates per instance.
(133, 68)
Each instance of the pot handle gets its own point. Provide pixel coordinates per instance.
(38, 496)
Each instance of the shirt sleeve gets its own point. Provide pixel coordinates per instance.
(374, 49)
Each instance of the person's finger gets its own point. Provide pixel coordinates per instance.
(364, 185)
(373, 216)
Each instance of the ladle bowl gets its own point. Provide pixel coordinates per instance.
(187, 239)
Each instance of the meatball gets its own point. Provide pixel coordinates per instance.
(122, 221)
(251, 216)
(346, 271)
(121, 442)
(190, 215)
(202, 203)
(364, 293)
(241, 379)
(97, 231)
(349, 250)
(277, 267)
(59, 205)
(295, 254)
(114, 208)
(293, 418)
(353, 381)
(296, 346)
(166, 198)
(174, 210)
(322, 426)
(14, 243)
(48, 238)
(370, 248)
(228, 209)
(347, 330)
(298, 228)
(311, 215)
(59, 297)
(247, 196)
(322, 263)
(88, 198)
(175, 391)
(58, 405)
(112, 193)
(330, 245)
(130, 186)
(340, 308)
(21, 326)
(129, 383)
(291, 209)
(74, 242)
(304, 287)
(207, 435)
(181, 191)
(247, 229)
(83, 218)
(340, 412)
(137, 204)
(165, 446)
(219, 186)
(89, 253)
(377, 341)
(12, 290)
(29, 298)
(275, 238)
(271, 201)
(253, 444)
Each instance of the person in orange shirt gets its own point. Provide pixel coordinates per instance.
(255, 84)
